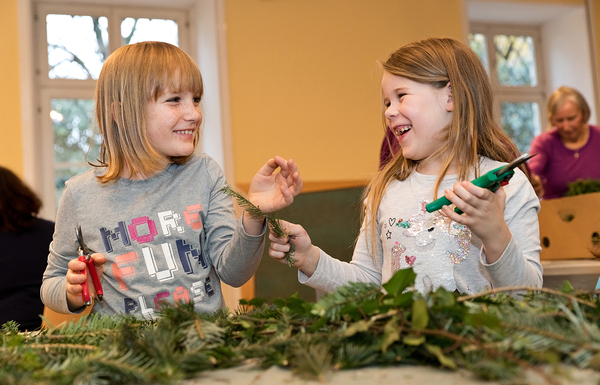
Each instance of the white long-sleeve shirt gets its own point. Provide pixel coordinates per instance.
(442, 253)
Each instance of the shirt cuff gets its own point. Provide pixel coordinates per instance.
(498, 263)
(262, 233)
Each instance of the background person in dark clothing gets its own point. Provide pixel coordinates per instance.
(24, 242)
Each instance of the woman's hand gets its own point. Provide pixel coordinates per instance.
(305, 254)
(538, 187)
(483, 213)
(75, 278)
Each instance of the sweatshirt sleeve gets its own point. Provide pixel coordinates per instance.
(539, 163)
(520, 264)
(235, 254)
(63, 248)
(332, 273)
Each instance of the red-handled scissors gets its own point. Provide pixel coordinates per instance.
(85, 255)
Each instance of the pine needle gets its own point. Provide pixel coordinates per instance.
(272, 221)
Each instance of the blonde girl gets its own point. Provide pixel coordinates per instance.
(152, 208)
(438, 103)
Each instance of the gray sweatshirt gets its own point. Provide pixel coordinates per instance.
(442, 253)
(171, 237)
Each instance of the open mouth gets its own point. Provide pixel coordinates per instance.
(185, 132)
(401, 130)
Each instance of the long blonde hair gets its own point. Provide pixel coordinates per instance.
(131, 77)
(471, 133)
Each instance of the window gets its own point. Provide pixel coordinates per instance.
(72, 44)
(512, 57)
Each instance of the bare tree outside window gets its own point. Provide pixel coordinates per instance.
(77, 46)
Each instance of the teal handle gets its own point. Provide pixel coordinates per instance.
(489, 180)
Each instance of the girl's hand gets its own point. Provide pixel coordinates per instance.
(483, 213)
(306, 255)
(271, 191)
(75, 278)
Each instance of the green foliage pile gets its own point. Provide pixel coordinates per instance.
(493, 334)
(583, 186)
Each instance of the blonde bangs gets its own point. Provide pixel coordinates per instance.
(131, 77)
(175, 71)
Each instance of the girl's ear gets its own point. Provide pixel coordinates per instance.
(450, 99)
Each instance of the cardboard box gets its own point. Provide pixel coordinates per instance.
(570, 227)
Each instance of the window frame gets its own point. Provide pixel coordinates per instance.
(46, 89)
(515, 94)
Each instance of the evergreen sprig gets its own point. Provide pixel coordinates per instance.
(495, 336)
(272, 221)
(583, 186)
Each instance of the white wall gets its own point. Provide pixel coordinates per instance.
(567, 55)
(211, 57)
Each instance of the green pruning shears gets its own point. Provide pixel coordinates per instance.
(492, 180)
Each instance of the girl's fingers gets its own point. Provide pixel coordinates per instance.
(282, 240)
(280, 247)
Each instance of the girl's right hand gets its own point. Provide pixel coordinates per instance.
(305, 254)
(75, 278)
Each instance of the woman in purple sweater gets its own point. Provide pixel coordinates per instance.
(571, 149)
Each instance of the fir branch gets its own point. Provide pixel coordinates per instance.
(331, 303)
(47, 347)
(493, 336)
(273, 222)
(528, 288)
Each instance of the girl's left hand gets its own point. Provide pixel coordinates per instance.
(483, 213)
(271, 191)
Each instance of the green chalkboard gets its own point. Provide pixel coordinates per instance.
(332, 220)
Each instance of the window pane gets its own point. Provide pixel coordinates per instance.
(521, 121)
(77, 46)
(136, 30)
(74, 136)
(478, 44)
(515, 60)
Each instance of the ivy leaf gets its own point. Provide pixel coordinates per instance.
(391, 333)
(420, 315)
(358, 327)
(567, 287)
(369, 306)
(413, 340)
(257, 302)
(444, 298)
(478, 320)
(247, 324)
(403, 300)
(400, 281)
(444, 360)
(319, 324)
(298, 305)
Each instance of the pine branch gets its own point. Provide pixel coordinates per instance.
(521, 288)
(331, 303)
(273, 223)
(494, 336)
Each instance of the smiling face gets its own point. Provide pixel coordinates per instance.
(417, 113)
(172, 121)
(569, 122)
